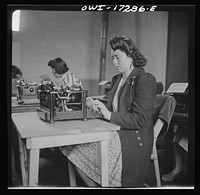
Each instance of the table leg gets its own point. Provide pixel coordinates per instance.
(104, 164)
(72, 175)
(33, 167)
(23, 161)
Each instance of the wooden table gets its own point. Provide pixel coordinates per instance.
(35, 134)
(29, 105)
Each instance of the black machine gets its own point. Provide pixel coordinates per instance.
(181, 101)
(26, 90)
(63, 103)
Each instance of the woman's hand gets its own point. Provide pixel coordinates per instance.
(98, 106)
(90, 104)
(102, 108)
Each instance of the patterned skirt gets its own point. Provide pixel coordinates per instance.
(87, 158)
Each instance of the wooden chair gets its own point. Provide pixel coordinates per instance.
(164, 106)
(154, 156)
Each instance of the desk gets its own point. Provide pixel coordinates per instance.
(180, 119)
(29, 105)
(35, 134)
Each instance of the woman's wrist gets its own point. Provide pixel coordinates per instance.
(108, 115)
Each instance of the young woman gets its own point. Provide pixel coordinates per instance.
(61, 71)
(131, 106)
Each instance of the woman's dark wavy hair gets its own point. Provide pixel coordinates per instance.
(128, 46)
(59, 65)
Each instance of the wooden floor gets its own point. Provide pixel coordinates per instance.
(53, 173)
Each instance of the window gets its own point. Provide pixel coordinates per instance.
(16, 20)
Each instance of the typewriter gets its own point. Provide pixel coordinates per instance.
(180, 92)
(63, 103)
(26, 90)
(181, 102)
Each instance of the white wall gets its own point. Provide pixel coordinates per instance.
(153, 42)
(75, 37)
(16, 54)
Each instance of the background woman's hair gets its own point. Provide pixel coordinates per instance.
(128, 46)
(59, 65)
(16, 71)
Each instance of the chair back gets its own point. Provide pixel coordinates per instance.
(164, 109)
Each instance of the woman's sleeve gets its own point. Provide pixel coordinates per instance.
(142, 107)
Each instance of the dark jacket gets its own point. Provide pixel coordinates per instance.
(135, 116)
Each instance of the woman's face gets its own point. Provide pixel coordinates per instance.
(121, 61)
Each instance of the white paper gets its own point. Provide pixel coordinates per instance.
(45, 77)
(177, 88)
(103, 82)
(98, 96)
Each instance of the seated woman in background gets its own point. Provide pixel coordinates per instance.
(16, 76)
(62, 72)
(65, 78)
(131, 106)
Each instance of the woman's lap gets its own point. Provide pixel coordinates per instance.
(87, 158)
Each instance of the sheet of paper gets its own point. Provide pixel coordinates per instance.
(103, 82)
(98, 96)
(177, 88)
(45, 77)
